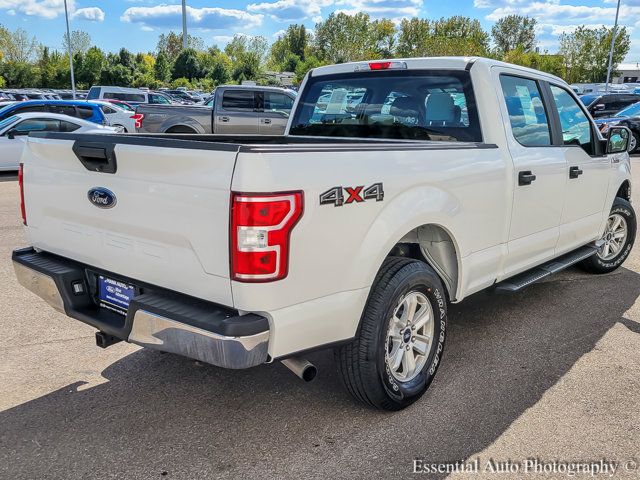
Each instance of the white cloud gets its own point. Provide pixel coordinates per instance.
(279, 33)
(92, 14)
(290, 10)
(37, 8)
(170, 16)
(555, 12)
(394, 9)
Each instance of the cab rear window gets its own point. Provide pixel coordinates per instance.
(415, 105)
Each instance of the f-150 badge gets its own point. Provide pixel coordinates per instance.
(335, 196)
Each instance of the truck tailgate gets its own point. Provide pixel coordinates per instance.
(169, 224)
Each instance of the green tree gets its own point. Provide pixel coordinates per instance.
(47, 69)
(455, 35)
(585, 52)
(162, 68)
(89, 71)
(413, 39)
(458, 35)
(309, 63)
(247, 55)
(80, 42)
(383, 35)
(293, 43)
(514, 32)
(171, 44)
(343, 38)
(20, 74)
(17, 46)
(187, 65)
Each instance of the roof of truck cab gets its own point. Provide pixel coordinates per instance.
(443, 63)
(256, 87)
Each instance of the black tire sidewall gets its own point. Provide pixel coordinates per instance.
(426, 282)
(637, 138)
(623, 208)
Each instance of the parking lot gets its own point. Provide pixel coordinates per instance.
(549, 373)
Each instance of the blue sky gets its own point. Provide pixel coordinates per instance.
(136, 24)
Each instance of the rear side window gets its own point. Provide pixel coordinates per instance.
(527, 115)
(239, 100)
(107, 110)
(126, 97)
(85, 112)
(414, 105)
(32, 108)
(68, 126)
(63, 110)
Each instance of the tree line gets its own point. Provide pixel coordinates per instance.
(581, 57)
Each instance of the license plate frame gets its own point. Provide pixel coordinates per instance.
(114, 294)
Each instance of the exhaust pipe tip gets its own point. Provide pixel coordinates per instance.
(301, 367)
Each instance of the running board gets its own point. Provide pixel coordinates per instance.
(524, 279)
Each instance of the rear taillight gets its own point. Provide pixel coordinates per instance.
(261, 226)
(23, 210)
(137, 118)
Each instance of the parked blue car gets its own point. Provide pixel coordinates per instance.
(84, 110)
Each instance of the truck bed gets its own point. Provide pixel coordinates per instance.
(246, 143)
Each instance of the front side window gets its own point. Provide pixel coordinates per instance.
(576, 127)
(38, 125)
(94, 93)
(394, 104)
(238, 100)
(528, 118)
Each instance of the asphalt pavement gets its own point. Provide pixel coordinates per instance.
(552, 373)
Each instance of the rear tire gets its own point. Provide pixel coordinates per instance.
(406, 307)
(619, 236)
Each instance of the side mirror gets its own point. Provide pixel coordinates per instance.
(618, 140)
(11, 134)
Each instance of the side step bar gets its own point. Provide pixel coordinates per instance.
(524, 279)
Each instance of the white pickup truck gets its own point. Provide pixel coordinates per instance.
(400, 186)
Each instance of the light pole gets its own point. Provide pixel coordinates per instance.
(73, 80)
(184, 24)
(613, 42)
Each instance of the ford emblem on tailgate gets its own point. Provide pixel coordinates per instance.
(102, 197)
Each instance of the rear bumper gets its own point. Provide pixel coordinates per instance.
(156, 318)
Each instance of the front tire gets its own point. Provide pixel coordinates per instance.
(619, 236)
(399, 346)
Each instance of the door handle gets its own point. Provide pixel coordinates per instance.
(575, 172)
(266, 120)
(525, 178)
(223, 119)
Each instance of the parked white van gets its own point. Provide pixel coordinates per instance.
(132, 96)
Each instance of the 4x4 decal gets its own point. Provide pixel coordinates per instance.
(335, 197)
